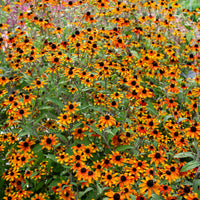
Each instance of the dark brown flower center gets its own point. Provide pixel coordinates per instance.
(107, 117)
(150, 183)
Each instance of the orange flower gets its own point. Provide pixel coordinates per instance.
(22, 112)
(26, 145)
(38, 83)
(71, 107)
(165, 189)
(117, 159)
(150, 185)
(158, 157)
(49, 141)
(109, 178)
(193, 131)
(107, 121)
(114, 195)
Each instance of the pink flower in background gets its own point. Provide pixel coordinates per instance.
(196, 56)
(5, 39)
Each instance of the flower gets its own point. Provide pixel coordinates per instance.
(71, 107)
(165, 189)
(114, 195)
(149, 185)
(38, 83)
(49, 141)
(25, 146)
(39, 196)
(157, 157)
(109, 178)
(107, 120)
(117, 159)
(193, 131)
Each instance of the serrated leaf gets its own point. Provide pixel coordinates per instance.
(184, 155)
(123, 148)
(190, 165)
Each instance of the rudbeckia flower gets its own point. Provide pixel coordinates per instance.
(150, 185)
(107, 120)
(49, 141)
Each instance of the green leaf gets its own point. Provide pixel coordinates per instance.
(95, 129)
(133, 197)
(135, 53)
(156, 197)
(190, 165)
(55, 101)
(113, 76)
(189, 36)
(167, 117)
(181, 119)
(196, 186)
(33, 174)
(187, 183)
(184, 155)
(40, 185)
(27, 130)
(45, 108)
(124, 147)
(54, 183)
(80, 194)
(99, 189)
(91, 195)
(77, 125)
(36, 148)
(49, 165)
(62, 137)
(111, 134)
(52, 157)
(151, 108)
(37, 120)
(188, 27)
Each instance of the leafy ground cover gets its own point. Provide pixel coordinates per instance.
(190, 4)
(99, 100)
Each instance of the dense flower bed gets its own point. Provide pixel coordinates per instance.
(99, 100)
